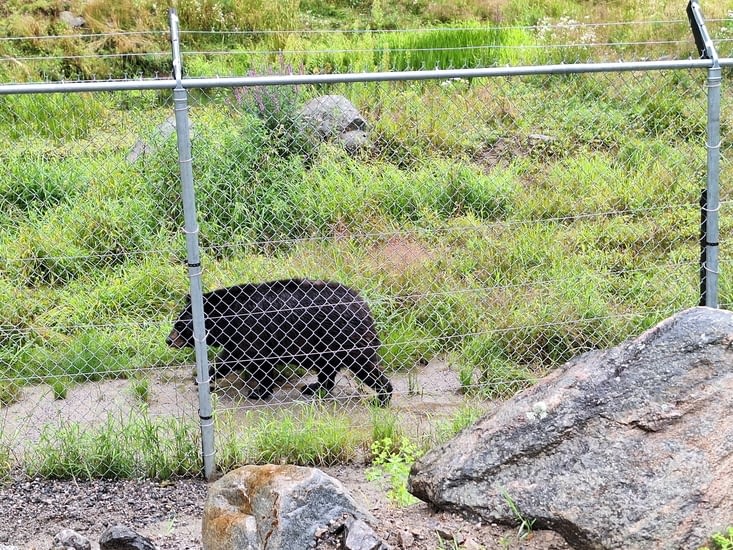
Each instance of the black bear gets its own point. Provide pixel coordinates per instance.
(319, 325)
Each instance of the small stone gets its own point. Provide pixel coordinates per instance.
(70, 19)
(406, 540)
(68, 539)
(470, 544)
(120, 537)
(443, 534)
(360, 536)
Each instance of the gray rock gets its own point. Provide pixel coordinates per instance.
(273, 508)
(354, 141)
(359, 536)
(68, 539)
(70, 19)
(333, 117)
(626, 448)
(161, 133)
(119, 537)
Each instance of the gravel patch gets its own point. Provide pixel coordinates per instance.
(169, 513)
(35, 510)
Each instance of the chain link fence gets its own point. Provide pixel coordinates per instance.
(432, 245)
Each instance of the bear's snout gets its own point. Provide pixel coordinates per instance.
(175, 340)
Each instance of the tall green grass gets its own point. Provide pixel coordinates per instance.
(480, 46)
(139, 446)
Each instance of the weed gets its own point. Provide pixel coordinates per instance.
(463, 418)
(393, 460)
(140, 389)
(385, 425)
(10, 392)
(60, 387)
(721, 541)
(6, 460)
(525, 524)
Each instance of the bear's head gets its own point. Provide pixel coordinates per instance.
(219, 312)
(182, 334)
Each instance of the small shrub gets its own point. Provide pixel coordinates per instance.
(392, 460)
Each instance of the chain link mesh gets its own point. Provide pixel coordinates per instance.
(496, 227)
(425, 245)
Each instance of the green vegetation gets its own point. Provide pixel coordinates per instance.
(10, 392)
(505, 225)
(60, 387)
(140, 389)
(391, 461)
(312, 434)
(525, 524)
(721, 541)
(137, 446)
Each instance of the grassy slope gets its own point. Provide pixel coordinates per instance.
(505, 279)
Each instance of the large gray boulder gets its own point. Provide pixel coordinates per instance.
(626, 448)
(334, 117)
(275, 507)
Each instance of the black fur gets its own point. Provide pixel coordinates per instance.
(319, 325)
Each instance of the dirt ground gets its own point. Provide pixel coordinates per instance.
(170, 515)
(170, 512)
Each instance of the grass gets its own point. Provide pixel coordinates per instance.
(313, 434)
(141, 390)
(138, 446)
(525, 523)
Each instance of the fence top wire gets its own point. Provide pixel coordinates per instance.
(440, 49)
(549, 24)
(562, 24)
(115, 34)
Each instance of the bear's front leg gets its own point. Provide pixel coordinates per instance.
(326, 381)
(262, 374)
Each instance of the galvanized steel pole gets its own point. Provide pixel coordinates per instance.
(710, 200)
(180, 101)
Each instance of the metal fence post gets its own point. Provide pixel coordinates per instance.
(710, 266)
(180, 102)
(710, 200)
